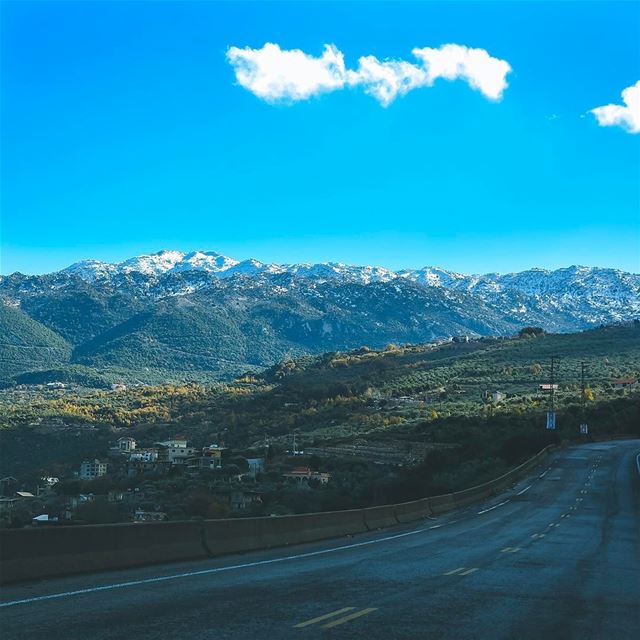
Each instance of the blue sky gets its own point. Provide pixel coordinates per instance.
(125, 131)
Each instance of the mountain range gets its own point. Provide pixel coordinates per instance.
(201, 315)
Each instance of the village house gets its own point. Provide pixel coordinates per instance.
(56, 385)
(126, 444)
(303, 475)
(237, 499)
(147, 466)
(623, 383)
(92, 469)
(256, 466)
(210, 457)
(175, 451)
(144, 455)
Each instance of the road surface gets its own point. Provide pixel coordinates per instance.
(558, 556)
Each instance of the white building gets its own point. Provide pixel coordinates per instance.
(126, 444)
(144, 455)
(175, 451)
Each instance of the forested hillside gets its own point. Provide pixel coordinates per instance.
(142, 326)
(425, 393)
(26, 344)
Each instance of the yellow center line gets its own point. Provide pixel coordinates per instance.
(324, 617)
(450, 573)
(351, 616)
(468, 571)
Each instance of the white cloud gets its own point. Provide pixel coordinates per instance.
(387, 80)
(274, 74)
(279, 75)
(627, 116)
(476, 66)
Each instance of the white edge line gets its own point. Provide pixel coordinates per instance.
(188, 574)
(495, 506)
(202, 572)
(524, 490)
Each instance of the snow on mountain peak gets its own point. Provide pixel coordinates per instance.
(605, 287)
(154, 264)
(205, 261)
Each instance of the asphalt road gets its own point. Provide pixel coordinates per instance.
(556, 557)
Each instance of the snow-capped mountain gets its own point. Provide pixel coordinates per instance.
(154, 264)
(203, 311)
(593, 294)
(167, 261)
(600, 281)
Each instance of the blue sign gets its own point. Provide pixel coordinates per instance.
(551, 420)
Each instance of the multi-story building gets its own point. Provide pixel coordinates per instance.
(126, 444)
(175, 451)
(92, 469)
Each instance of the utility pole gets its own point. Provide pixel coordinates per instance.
(553, 388)
(551, 414)
(584, 390)
(584, 428)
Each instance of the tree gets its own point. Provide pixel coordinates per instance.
(531, 332)
(204, 505)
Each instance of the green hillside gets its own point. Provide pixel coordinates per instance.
(26, 344)
(181, 336)
(428, 401)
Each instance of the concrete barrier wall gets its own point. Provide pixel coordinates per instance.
(27, 554)
(380, 517)
(442, 504)
(469, 496)
(414, 510)
(35, 553)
